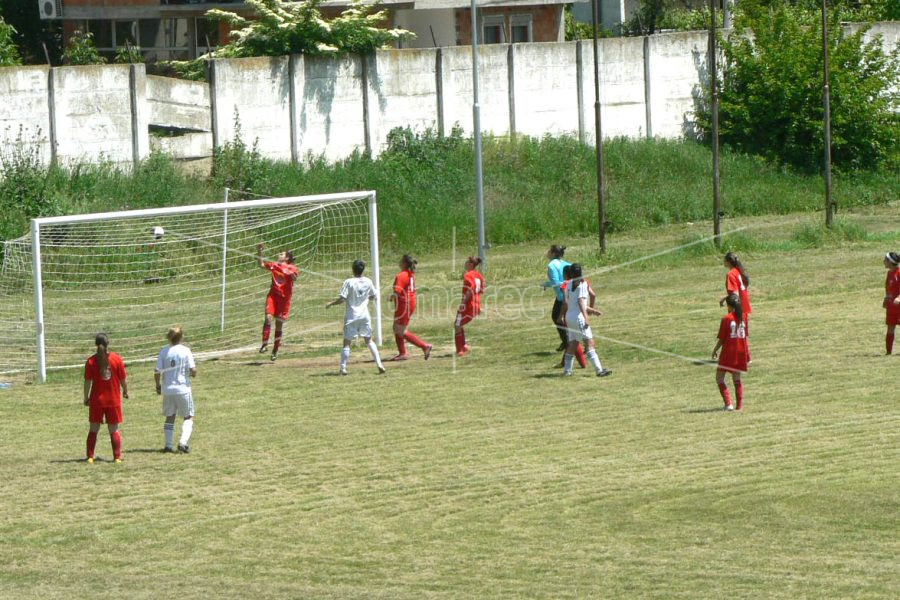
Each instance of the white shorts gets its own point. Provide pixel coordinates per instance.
(359, 327)
(579, 331)
(178, 404)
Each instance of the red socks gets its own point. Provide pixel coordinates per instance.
(277, 343)
(91, 443)
(889, 342)
(414, 340)
(460, 340)
(739, 392)
(266, 329)
(401, 344)
(117, 444)
(579, 356)
(726, 396)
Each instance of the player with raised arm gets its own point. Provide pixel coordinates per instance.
(470, 307)
(579, 329)
(404, 299)
(356, 293)
(104, 387)
(891, 298)
(175, 367)
(278, 301)
(732, 341)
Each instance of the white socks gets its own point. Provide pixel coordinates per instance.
(345, 356)
(186, 429)
(169, 431)
(568, 362)
(595, 360)
(374, 350)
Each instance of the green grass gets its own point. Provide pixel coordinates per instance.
(425, 187)
(492, 476)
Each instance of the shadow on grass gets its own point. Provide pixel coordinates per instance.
(704, 410)
(542, 353)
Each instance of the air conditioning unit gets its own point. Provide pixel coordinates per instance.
(50, 9)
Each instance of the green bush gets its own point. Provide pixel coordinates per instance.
(23, 186)
(9, 52)
(771, 98)
(81, 50)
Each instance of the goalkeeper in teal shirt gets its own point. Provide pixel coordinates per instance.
(554, 279)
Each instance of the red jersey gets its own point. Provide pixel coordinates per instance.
(473, 287)
(283, 275)
(735, 350)
(405, 288)
(892, 284)
(734, 284)
(106, 388)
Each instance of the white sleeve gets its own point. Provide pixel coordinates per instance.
(159, 361)
(190, 360)
(345, 289)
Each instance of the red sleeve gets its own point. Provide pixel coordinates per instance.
(733, 281)
(400, 283)
(89, 370)
(724, 329)
(120, 368)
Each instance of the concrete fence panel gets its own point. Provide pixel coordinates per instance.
(328, 106)
(622, 93)
(92, 108)
(402, 93)
(256, 93)
(25, 110)
(545, 88)
(677, 66)
(493, 87)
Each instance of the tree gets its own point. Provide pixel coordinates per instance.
(771, 92)
(299, 28)
(32, 32)
(9, 53)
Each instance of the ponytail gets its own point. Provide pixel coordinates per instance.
(735, 262)
(410, 262)
(101, 340)
(474, 260)
(734, 303)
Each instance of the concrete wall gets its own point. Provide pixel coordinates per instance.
(295, 106)
(25, 110)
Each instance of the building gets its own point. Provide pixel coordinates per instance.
(179, 30)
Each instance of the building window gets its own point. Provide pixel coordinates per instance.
(102, 32)
(520, 27)
(126, 33)
(492, 30)
(207, 35)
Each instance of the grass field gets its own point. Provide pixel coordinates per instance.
(491, 475)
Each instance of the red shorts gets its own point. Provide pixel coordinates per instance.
(278, 306)
(893, 314)
(105, 414)
(403, 313)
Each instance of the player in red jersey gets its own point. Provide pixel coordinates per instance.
(278, 301)
(104, 375)
(737, 282)
(404, 299)
(470, 307)
(732, 341)
(891, 297)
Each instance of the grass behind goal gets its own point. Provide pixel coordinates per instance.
(501, 479)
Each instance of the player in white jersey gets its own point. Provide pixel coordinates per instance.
(356, 293)
(579, 330)
(174, 369)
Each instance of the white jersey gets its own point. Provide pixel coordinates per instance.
(573, 308)
(174, 365)
(356, 293)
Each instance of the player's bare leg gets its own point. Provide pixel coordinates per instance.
(889, 339)
(279, 324)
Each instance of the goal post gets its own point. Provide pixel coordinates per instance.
(111, 272)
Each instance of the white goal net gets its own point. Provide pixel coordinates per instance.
(133, 274)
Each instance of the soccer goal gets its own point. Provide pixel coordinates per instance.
(132, 274)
